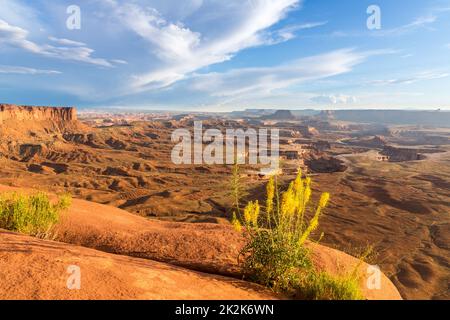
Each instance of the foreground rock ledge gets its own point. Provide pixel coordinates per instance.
(208, 248)
(35, 269)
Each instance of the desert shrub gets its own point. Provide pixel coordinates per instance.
(323, 286)
(275, 254)
(34, 215)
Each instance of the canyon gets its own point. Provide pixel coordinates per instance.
(123, 160)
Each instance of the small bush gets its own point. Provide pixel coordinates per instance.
(275, 254)
(34, 215)
(323, 286)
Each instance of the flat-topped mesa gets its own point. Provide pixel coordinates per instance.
(27, 113)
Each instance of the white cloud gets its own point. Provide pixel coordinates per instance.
(67, 42)
(422, 22)
(118, 61)
(334, 99)
(25, 70)
(19, 14)
(423, 76)
(233, 26)
(17, 37)
(265, 80)
(289, 32)
(418, 23)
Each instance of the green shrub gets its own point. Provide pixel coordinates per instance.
(323, 286)
(34, 215)
(275, 254)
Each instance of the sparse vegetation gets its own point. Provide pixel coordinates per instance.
(323, 286)
(34, 215)
(275, 254)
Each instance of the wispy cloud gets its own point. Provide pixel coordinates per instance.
(181, 50)
(13, 36)
(423, 76)
(417, 24)
(25, 70)
(19, 13)
(67, 42)
(290, 32)
(244, 81)
(421, 22)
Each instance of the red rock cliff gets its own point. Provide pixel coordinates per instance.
(21, 113)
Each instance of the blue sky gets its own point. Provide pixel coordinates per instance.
(218, 55)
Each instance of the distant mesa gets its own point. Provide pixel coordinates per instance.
(24, 113)
(280, 115)
(378, 142)
(29, 123)
(409, 117)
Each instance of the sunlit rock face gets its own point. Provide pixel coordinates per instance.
(22, 113)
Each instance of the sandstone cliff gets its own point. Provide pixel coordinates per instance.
(23, 113)
(27, 132)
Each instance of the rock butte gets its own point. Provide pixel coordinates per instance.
(26, 113)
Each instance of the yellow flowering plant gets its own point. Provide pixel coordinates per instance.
(276, 233)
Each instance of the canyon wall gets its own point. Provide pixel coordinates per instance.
(24, 113)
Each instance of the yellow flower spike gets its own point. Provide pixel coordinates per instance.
(314, 223)
(236, 224)
(307, 195)
(256, 210)
(284, 203)
(270, 195)
(248, 213)
(308, 182)
(324, 199)
(288, 202)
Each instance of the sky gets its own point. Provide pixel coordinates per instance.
(223, 55)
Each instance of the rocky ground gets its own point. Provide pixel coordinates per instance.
(122, 262)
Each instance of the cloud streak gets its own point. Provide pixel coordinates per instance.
(25, 70)
(16, 37)
(290, 32)
(67, 42)
(264, 80)
(418, 23)
(424, 76)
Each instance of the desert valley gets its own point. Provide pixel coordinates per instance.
(136, 216)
